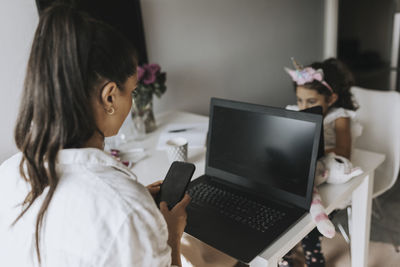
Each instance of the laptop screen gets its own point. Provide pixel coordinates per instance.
(267, 149)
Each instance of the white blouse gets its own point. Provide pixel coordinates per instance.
(329, 125)
(99, 216)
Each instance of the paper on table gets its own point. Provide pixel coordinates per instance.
(195, 134)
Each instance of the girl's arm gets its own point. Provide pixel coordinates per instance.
(343, 138)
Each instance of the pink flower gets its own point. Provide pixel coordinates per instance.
(148, 73)
(149, 78)
(140, 73)
(153, 68)
(151, 71)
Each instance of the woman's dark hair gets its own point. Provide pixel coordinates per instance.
(71, 55)
(339, 77)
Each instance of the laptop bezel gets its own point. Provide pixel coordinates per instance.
(303, 202)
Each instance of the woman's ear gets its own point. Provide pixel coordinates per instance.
(332, 99)
(108, 95)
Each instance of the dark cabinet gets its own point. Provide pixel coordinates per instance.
(124, 15)
(368, 41)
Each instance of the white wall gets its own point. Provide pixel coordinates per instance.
(226, 48)
(18, 19)
(230, 48)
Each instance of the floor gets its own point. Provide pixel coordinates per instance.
(337, 254)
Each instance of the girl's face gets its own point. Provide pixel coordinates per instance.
(307, 98)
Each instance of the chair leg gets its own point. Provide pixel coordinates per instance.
(394, 243)
(378, 213)
(349, 220)
(343, 232)
(396, 248)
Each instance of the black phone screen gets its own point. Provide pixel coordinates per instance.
(176, 182)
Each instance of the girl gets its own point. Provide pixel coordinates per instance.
(63, 201)
(326, 84)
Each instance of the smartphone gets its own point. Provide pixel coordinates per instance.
(175, 184)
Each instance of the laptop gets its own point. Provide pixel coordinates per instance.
(259, 176)
(321, 147)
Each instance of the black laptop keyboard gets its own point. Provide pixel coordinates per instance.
(235, 206)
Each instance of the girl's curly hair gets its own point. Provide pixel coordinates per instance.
(339, 77)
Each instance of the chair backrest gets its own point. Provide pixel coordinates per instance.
(379, 114)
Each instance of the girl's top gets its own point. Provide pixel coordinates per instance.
(329, 126)
(99, 216)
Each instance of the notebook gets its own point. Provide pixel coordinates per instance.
(259, 176)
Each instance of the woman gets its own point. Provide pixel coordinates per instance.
(63, 201)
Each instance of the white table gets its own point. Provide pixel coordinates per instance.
(155, 166)
(359, 189)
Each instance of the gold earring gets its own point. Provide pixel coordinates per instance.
(110, 111)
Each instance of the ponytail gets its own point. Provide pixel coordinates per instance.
(70, 55)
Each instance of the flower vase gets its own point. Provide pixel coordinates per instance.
(143, 112)
(148, 117)
(139, 129)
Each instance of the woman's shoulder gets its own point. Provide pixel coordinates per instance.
(336, 113)
(94, 172)
(12, 161)
(108, 201)
(9, 170)
(12, 185)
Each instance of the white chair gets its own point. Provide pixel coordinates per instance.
(379, 113)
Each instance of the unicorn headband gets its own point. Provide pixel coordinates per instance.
(302, 75)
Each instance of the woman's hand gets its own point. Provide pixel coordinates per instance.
(176, 222)
(176, 219)
(154, 188)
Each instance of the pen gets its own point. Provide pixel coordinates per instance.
(179, 130)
